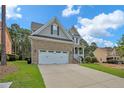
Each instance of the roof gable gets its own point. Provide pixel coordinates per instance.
(53, 20)
(35, 26)
(74, 31)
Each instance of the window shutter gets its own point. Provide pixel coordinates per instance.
(57, 30)
(51, 29)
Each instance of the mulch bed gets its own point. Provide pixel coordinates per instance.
(7, 69)
(118, 66)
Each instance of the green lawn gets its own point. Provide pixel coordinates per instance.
(100, 67)
(27, 76)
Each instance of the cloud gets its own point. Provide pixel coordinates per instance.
(13, 12)
(70, 11)
(93, 29)
(18, 9)
(100, 41)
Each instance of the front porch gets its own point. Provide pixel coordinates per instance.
(78, 53)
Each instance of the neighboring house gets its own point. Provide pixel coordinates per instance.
(52, 44)
(106, 54)
(8, 40)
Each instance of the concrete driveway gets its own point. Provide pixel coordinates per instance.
(76, 76)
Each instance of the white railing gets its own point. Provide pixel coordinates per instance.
(78, 56)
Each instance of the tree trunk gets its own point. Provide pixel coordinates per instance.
(3, 36)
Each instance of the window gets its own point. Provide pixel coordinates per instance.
(76, 40)
(76, 50)
(55, 29)
(64, 52)
(51, 29)
(42, 51)
(58, 51)
(80, 50)
(51, 51)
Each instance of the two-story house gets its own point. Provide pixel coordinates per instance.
(106, 54)
(52, 44)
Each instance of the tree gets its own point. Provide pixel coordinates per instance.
(86, 50)
(121, 41)
(3, 36)
(120, 51)
(20, 41)
(89, 49)
(120, 48)
(93, 46)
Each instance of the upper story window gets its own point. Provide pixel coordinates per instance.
(55, 29)
(76, 40)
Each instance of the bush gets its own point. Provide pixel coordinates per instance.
(89, 59)
(0, 56)
(20, 57)
(17, 57)
(7, 57)
(12, 57)
(94, 60)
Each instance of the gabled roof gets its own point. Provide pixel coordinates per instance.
(35, 26)
(50, 22)
(74, 31)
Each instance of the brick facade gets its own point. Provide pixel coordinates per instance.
(36, 45)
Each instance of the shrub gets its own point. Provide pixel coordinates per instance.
(12, 57)
(20, 57)
(7, 57)
(94, 60)
(0, 56)
(87, 59)
(17, 57)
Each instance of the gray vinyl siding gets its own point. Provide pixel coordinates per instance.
(47, 32)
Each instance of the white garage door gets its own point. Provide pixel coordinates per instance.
(53, 57)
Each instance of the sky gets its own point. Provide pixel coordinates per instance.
(101, 24)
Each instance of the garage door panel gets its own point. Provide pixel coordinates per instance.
(53, 58)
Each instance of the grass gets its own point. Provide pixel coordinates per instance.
(26, 76)
(100, 67)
